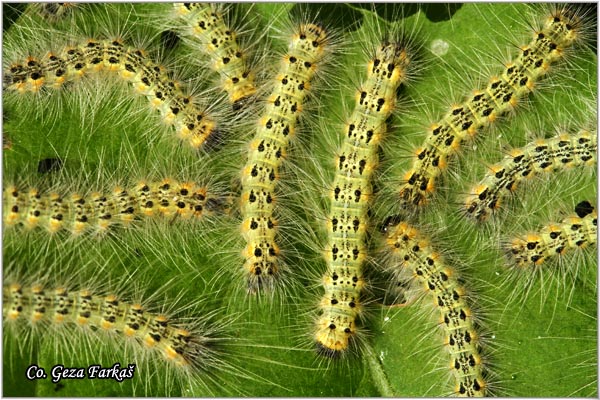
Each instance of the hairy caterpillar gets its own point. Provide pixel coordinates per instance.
(132, 65)
(41, 305)
(574, 232)
(98, 212)
(146, 337)
(418, 259)
(561, 29)
(206, 24)
(268, 149)
(564, 151)
(350, 196)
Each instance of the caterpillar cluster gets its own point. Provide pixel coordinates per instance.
(205, 23)
(260, 228)
(564, 151)
(555, 239)
(100, 211)
(268, 149)
(502, 94)
(413, 256)
(350, 198)
(133, 65)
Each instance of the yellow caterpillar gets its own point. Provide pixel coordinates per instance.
(132, 65)
(205, 23)
(565, 151)
(350, 198)
(412, 254)
(190, 350)
(268, 149)
(98, 212)
(555, 239)
(41, 305)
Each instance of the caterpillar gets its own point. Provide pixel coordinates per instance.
(99, 212)
(555, 239)
(205, 23)
(561, 29)
(412, 253)
(350, 196)
(564, 151)
(82, 308)
(268, 149)
(133, 65)
(189, 349)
